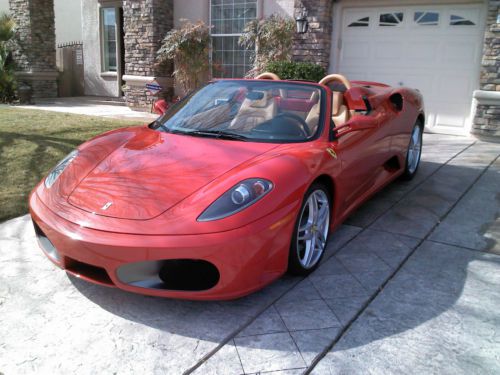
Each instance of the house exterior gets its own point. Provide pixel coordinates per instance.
(68, 19)
(448, 49)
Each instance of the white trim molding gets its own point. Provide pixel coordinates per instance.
(37, 75)
(487, 97)
(143, 80)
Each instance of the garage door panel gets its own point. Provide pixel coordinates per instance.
(450, 84)
(391, 50)
(450, 116)
(460, 53)
(356, 51)
(434, 48)
(423, 52)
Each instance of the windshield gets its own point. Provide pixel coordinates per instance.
(262, 111)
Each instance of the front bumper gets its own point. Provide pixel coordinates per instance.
(246, 258)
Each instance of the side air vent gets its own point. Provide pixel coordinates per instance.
(397, 102)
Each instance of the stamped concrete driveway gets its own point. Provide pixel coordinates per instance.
(410, 284)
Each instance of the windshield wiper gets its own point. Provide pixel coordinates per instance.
(217, 134)
(221, 134)
(157, 124)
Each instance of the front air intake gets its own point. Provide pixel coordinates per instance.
(188, 274)
(170, 274)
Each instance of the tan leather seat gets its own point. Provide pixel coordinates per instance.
(340, 113)
(312, 118)
(255, 112)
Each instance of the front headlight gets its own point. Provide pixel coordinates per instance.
(59, 168)
(239, 197)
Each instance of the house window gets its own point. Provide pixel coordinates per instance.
(109, 39)
(390, 19)
(362, 22)
(460, 21)
(228, 19)
(426, 18)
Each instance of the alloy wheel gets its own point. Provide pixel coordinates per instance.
(414, 149)
(313, 229)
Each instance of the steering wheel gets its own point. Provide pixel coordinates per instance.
(268, 75)
(336, 78)
(299, 122)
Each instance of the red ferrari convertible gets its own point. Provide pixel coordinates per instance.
(233, 186)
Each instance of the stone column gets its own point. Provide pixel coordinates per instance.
(486, 119)
(314, 46)
(35, 52)
(146, 24)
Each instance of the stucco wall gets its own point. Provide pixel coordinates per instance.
(68, 19)
(95, 83)
(4, 6)
(282, 7)
(195, 10)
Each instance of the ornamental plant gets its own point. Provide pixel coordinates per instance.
(272, 39)
(7, 78)
(188, 48)
(296, 70)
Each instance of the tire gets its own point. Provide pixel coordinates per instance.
(414, 152)
(310, 231)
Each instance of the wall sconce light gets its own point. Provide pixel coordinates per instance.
(302, 23)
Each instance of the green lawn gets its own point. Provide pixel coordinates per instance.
(31, 143)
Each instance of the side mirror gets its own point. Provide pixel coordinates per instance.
(160, 106)
(356, 124)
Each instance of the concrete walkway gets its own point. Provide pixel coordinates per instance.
(410, 284)
(92, 106)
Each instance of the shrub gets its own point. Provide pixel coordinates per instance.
(7, 79)
(188, 48)
(296, 70)
(272, 39)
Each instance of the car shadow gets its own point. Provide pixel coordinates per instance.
(428, 285)
(205, 320)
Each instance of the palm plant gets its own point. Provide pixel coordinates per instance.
(188, 48)
(7, 79)
(272, 38)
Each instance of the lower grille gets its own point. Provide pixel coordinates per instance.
(94, 273)
(46, 245)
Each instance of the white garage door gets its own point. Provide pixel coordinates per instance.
(436, 49)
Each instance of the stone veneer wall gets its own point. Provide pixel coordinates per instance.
(314, 46)
(146, 24)
(35, 51)
(487, 113)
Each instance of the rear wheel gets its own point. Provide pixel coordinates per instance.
(414, 152)
(311, 231)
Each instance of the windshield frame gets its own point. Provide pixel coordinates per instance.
(159, 123)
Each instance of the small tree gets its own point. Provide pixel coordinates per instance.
(272, 38)
(7, 79)
(188, 48)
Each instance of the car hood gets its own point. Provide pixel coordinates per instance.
(153, 171)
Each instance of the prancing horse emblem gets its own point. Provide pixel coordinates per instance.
(106, 206)
(332, 152)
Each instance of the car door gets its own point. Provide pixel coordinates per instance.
(363, 153)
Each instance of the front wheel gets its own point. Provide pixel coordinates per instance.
(310, 232)
(414, 152)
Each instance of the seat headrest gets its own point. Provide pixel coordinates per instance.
(337, 102)
(258, 99)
